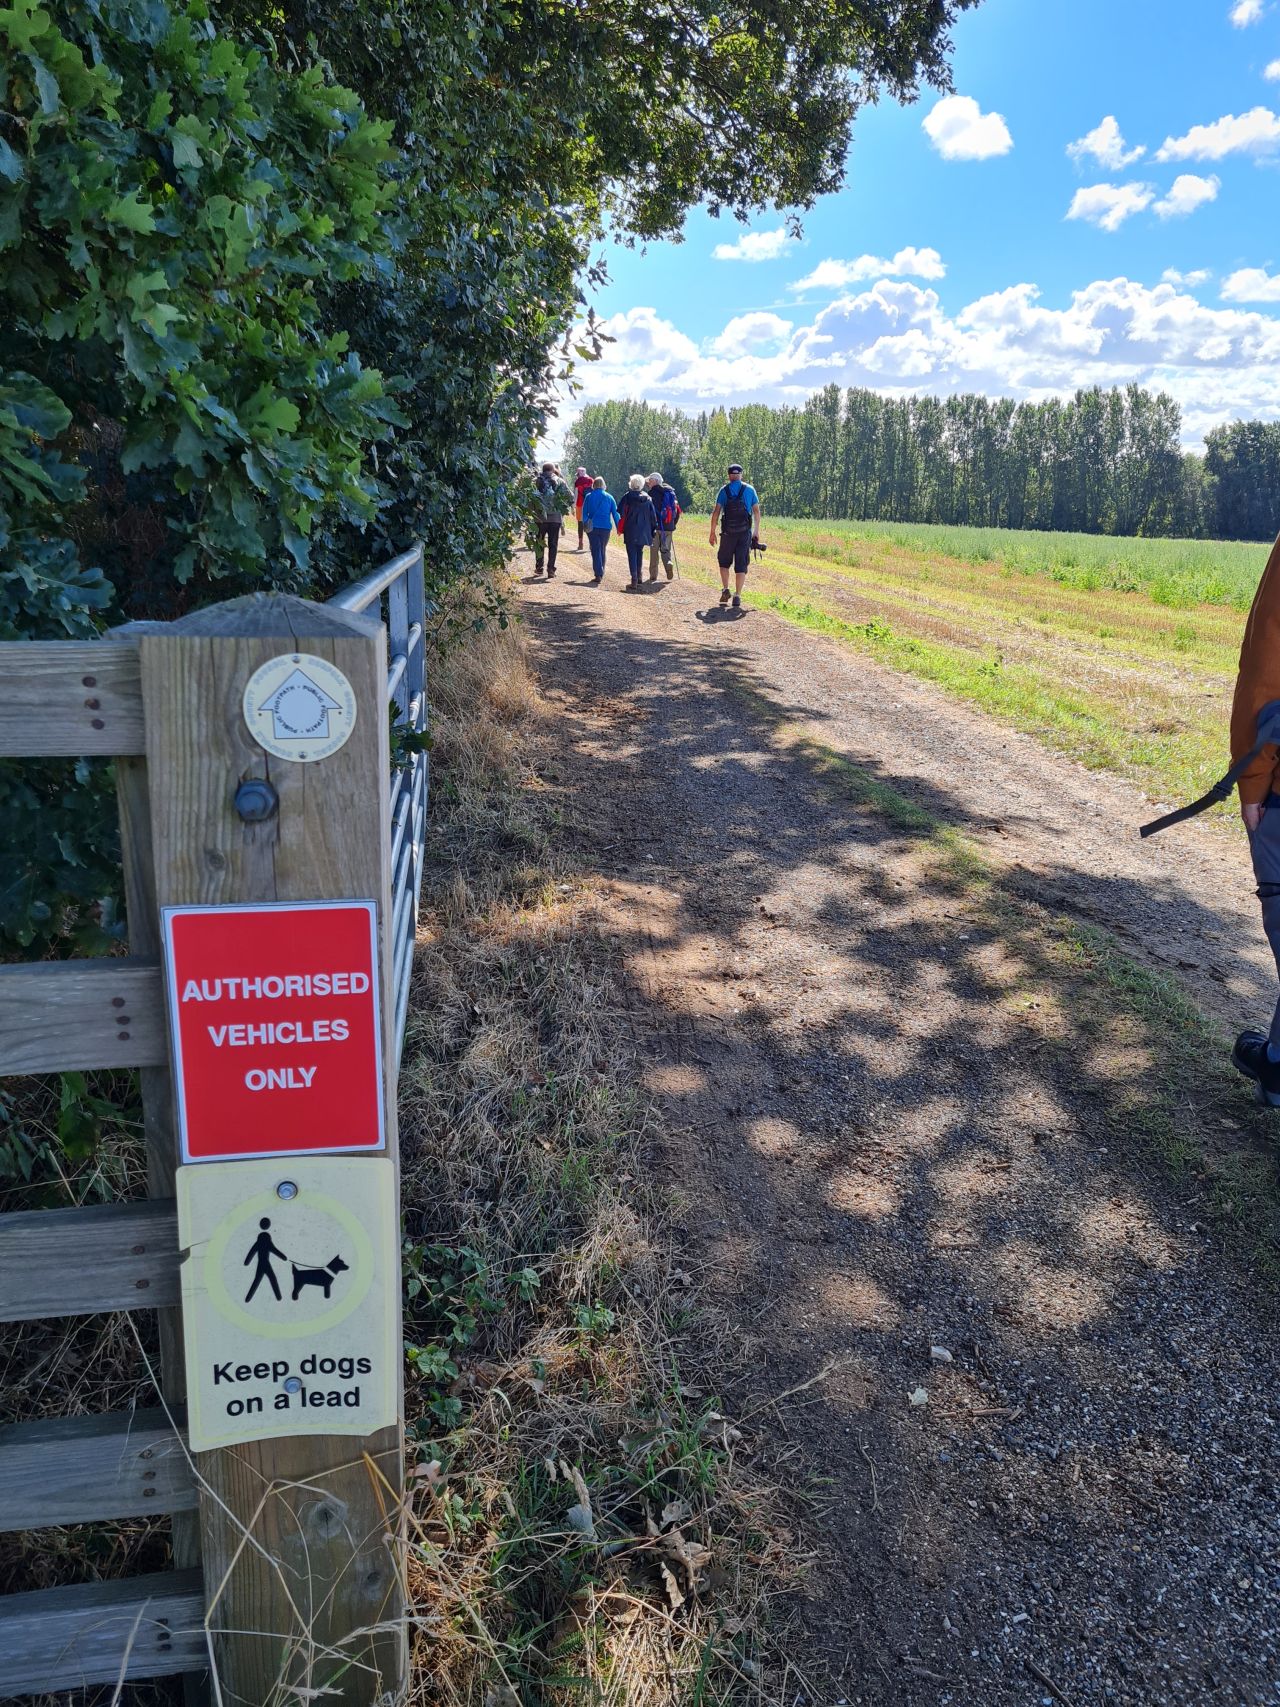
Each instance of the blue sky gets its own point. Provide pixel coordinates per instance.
(974, 248)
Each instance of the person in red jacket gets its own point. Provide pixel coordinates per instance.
(582, 484)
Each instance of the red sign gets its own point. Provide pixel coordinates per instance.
(277, 1045)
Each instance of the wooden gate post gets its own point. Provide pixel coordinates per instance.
(297, 1534)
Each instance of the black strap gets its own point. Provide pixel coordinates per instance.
(1268, 736)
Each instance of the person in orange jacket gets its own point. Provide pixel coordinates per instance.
(1255, 761)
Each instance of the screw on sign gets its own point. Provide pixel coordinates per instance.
(289, 1298)
(277, 1040)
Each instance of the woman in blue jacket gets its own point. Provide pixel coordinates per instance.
(599, 518)
(638, 523)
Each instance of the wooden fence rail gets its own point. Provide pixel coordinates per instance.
(286, 1573)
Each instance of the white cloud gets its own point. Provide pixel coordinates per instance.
(1200, 276)
(755, 246)
(895, 336)
(1254, 132)
(1251, 284)
(1109, 205)
(1272, 71)
(1246, 12)
(959, 129)
(751, 332)
(1186, 194)
(912, 263)
(1105, 144)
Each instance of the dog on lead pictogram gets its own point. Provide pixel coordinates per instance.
(263, 1250)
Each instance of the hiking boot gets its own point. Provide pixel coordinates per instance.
(736, 602)
(670, 573)
(1250, 1058)
(632, 587)
(724, 595)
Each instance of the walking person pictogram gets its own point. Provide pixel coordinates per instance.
(263, 1249)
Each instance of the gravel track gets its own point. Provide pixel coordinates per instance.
(880, 1148)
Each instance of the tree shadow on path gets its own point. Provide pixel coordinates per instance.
(911, 1108)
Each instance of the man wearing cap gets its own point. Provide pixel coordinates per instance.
(739, 507)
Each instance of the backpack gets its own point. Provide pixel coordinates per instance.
(668, 508)
(737, 517)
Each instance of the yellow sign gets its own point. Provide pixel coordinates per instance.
(290, 1297)
(299, 707)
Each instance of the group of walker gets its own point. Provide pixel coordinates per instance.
(646, 521)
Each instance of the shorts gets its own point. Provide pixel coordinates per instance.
(735, 549)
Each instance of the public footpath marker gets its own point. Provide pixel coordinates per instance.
(272, 866)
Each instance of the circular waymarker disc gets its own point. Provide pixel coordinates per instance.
(299, 707)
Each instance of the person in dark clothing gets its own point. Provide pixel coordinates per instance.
(637, 524)
(554, 502)
(739, 506)
(666, 510)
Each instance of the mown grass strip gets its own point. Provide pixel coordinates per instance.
(1132, 712)
(1062, 718)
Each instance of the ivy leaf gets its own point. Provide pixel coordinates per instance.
(10, 165)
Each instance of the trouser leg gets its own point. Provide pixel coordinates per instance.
(1271, 924)
(635, 560)
(653, 557)
(599, 540)
(553, 545)
(735, 554)
(1264, 847)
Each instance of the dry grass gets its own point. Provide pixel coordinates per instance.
(592, 1529)
(582, 1524)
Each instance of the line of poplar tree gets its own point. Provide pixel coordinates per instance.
(1103, 461)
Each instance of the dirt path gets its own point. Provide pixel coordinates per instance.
(885, 1145)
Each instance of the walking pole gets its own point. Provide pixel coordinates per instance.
(675, 557)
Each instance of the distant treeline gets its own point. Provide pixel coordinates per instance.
(1102, 462)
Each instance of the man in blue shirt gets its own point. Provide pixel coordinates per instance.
(739, 506)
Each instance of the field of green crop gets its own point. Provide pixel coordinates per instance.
(1120, 652)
